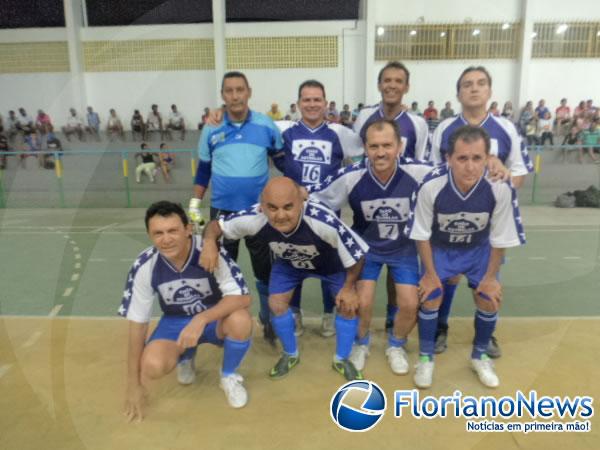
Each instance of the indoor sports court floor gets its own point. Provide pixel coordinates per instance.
(63, 349)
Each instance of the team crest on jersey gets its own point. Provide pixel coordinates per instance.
(188, 293)
(462, 224)
(386, 209)
(299, 256)
(216, 138)
(312, 150)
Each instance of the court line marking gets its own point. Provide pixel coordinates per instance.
(77, 256)
(571, 257)
(4, 369)
(105, 227)
(68, 291)
(537, 258)
(75, 277)
(32, 339)
(77, 265)
(54, 312)
(96, 260)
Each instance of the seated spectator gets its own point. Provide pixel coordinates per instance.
(541, 110)
(137, 126)
(31, 147)
(494, 111)
(25, 123)
(414, 108)
(93, 123)
(274, 112)
(114, 126)
(11, 126)
(591, 139)
(346, 116)
(147, 164)
(293, 113)
(4, 148)
(176, 122)
(430, 112)
(572, 138)
(447, 112)
(526, 117)
(507, 111)
(356, 111)
(154, 122)
(545, 129)
(43, 124)
(332, 114)
(167, 161)
(74, 125)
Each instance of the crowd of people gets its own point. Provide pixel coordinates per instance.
(444, 204)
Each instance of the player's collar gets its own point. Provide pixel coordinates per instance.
(313, 130)
(480, 124)
(376, 180)
(228, 121)
(382, 114)
(458, 192)
(187, 261)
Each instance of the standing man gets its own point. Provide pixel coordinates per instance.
(198, 307)
(393, 83)
(378, 191)
(474, 90)
(308, 240)
(463, 222)
(233, 156)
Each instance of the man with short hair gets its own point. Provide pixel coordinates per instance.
(233, 157)
(138, 127)
(74, 125)
(11, 126)
(293, 114)
(274, 113)
(447, 112)
(308, 240)
(430, 112)
(463, 223)
(93, 123)
(154, 122)
(114, 126)
(474, 90)
(378, 190)
(198, 307)
(147, 164)
(176, 122)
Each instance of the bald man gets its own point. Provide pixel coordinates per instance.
(307, 240)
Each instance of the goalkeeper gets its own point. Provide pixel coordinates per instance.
(233, 156)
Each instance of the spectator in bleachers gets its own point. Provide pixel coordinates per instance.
(293, 113)
(590, 139)
(24, 122)
(74, 125)
(493, 110)
(508, 112)
(4, 147)
(572, 138)
(274, 113)
(43, 123)
(167, 161)
(31, 147)
(346, 116)
(430, 112)
(579, 109)
(541, 109)
(544, 129)
(414, 108)
(590, 108)
(526, 117)
(93, 123)
(114, 126)
(356, 111)
(138, 127)
(146, 165)
(562, 118)
(447, 111)
(11, 126)
(332, 114)
(154, 122)
(176, 123)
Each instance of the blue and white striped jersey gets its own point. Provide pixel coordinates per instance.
(321, 243)
(505, 142)
(380, 210)
(311, 155)
(413, 130)
(488, 213)
(183, 293)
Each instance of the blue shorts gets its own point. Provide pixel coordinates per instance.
(404, 269)
(285, 278)
(471, 262)
(169, 328)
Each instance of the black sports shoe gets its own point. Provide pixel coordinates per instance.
(441, 341)
(347, 369)
(283, 366)
(493, 349)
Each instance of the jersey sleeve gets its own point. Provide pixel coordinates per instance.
(242, 224)
(352, 145)
(229, 276)
(435, 152)
(138, 296)
(422, 135)
(276, 141)
(203, 146)
(518, 161)
(506, 229)
(334, 191)
(421, 213)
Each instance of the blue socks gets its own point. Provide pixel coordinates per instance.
(366, 340)
(485, 323)
(284, 327)
(345, 332)
(427, 327)
(446, 306)
(393, 341)
(233, 354)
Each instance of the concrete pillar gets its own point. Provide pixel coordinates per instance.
(73, 24)
(219, 22)
(524, 54)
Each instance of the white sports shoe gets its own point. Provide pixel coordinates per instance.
(328, 325)
(358, 356)
(236, 394)
(299, 330)
(484, 368)
(186, 371)
(397, 359)
(424, 373)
